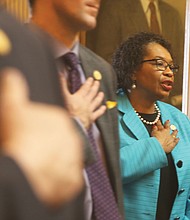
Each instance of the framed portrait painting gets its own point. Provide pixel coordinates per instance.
(118, 19)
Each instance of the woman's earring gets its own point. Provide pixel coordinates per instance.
(134, 86)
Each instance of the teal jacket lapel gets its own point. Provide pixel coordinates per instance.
(130, 118)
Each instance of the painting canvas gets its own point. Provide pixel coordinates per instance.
(118, 19)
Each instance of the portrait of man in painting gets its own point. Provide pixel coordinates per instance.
(118, 19)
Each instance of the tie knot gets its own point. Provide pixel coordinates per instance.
(71, 60)
(152, 6)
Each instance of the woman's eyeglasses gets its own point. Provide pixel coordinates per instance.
(163, 65)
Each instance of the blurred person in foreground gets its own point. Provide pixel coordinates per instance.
(38, 141)
(34, 162)
(154, 136)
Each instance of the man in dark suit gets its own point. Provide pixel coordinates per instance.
(32, 135)
(118, 19)
(68, 18)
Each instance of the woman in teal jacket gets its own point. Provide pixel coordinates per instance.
(154, 136)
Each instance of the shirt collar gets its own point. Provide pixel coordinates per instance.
(59, 49)
(145, 4)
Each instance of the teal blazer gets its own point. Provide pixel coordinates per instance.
(141, 158)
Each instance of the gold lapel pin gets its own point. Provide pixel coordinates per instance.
(111, 104)
(97, 75)
(173, 127)
(5, 44)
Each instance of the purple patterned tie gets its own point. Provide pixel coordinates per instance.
(71, 61)
(104, 202)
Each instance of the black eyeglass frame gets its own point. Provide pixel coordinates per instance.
(173, 68)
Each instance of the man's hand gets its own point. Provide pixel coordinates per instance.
(41, 139)
(86, 103)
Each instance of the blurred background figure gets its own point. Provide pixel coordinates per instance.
(118, 19)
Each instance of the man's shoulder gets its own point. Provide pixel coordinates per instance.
(89, 54)
(91, 62)
(84, 51)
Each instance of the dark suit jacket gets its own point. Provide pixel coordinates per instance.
(118, 19)
(32, 56)
(107, 124)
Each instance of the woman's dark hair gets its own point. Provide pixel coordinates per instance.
(129, 56)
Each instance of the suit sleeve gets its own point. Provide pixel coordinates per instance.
(89, 157)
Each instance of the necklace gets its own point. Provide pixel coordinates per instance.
(150, 122)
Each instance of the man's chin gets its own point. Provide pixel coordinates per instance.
(89, 24)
